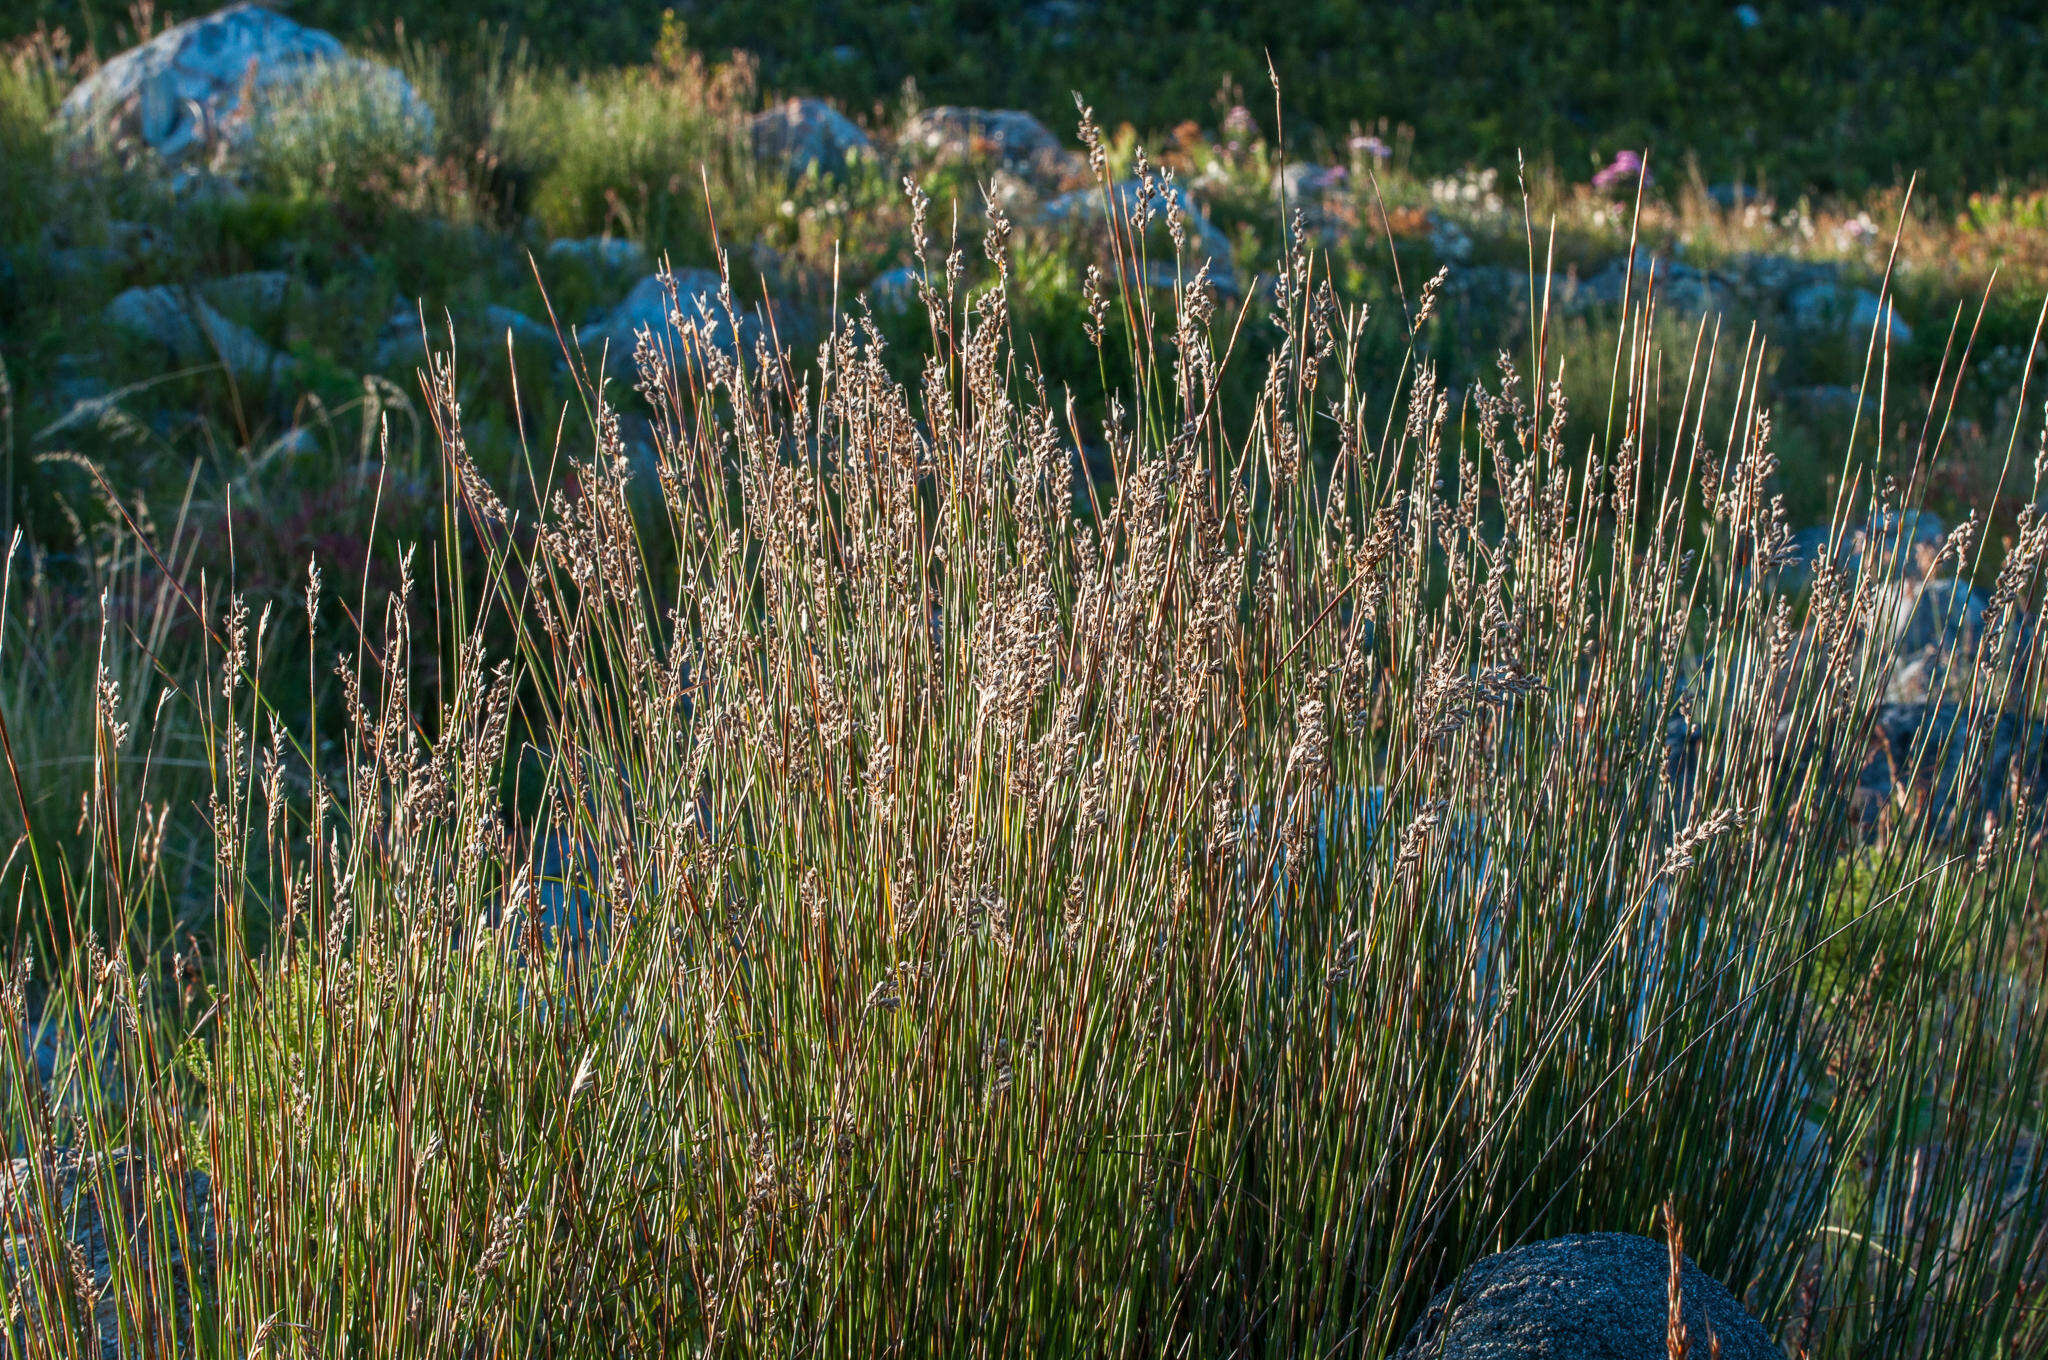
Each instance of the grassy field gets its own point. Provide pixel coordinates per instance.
(1840, 98)
(1136, 778)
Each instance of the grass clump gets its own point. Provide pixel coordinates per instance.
(860, 884)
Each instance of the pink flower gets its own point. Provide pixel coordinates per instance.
(1626, 168)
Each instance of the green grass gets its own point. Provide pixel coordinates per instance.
(999, 949)
(1836, 98)
(1192, 909)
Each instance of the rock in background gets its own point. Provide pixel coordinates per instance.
(199, 91)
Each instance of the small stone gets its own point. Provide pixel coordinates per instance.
(295, 442)
(1821, 305)
(525, 331)
(1904, 544)
(1449, 241)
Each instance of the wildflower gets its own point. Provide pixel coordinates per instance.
(1626, 168)
(1855, 233)
(1371, 146)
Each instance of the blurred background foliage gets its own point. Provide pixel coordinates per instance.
(1832, 98)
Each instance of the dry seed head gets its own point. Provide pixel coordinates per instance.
(1430, 290)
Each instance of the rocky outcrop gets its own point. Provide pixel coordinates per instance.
(1596, 1296)
(202, 89)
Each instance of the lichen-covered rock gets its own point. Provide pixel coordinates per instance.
(70, 1216)
(806, 134)
(1595, 1296)
(205, 86)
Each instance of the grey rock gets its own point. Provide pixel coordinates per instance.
(525, 331)
(75, 264)
(192, 332)
(1011, 138)
(295, 442)
(650, 307)
(1060, 20)
(402, 345)
(112, 245)
(1780, 275)
(1931, 632)
(1867, 309)
(1964, 1196)
(1307, 189)
(601, 253)
(205, 87)
(262, 294)
(1595, 1296)
(1948, 766)
(807, 134)
(1914, 616)
(1822, 305)
(1900, 547)
(1679, 288)
(1449, 240)
(75, 382)
(895, 290)
(1129, 200)
(1902, 544)
(136, 240)
(1015, 196)
(1803, 554)
(115, 1208)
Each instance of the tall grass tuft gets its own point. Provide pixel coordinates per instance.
(865, 888)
